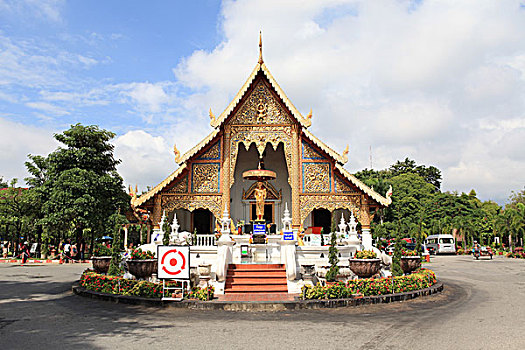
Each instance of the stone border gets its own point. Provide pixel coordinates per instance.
(260, 305)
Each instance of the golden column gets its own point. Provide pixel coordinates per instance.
(226, 169)
(295, 175)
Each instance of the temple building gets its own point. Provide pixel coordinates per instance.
(261, 125)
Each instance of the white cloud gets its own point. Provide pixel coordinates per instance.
(145, 158)
(417, 79)
(49, 10)
(19, 140)
(47, 107)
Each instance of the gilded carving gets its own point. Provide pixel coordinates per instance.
(260, 135)
(330, 202)
(192, 202)
(181, 186)
(341, 186)
(261, 108)
(213, 153)
(316, 177)
(205, 177)
(309, 152)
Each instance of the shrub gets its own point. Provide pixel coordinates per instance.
(139, 254)
(118, 285)
(101, 250)
(365, 254)
(421, 279)
(408, 252)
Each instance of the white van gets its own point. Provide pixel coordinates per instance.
(445, 244)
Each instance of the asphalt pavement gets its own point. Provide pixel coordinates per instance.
(482, 307)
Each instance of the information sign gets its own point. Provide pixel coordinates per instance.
(173, 262)
(288, 236)
(259, 229)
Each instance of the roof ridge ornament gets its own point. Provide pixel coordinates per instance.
(176, 152)
(213, 119)
(345, 154)
(261, 61)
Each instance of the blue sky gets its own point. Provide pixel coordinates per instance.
(439, 82)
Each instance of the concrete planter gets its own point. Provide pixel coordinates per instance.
(410, 263)
(364, 268)
(142, 268)
(101, 263)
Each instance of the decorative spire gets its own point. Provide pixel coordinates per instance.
(176, 153)
(260, 48)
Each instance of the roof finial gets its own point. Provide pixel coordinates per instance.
(260, 48)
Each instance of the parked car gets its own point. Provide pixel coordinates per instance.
(441, 244)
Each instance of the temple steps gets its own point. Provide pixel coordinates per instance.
(255, 278)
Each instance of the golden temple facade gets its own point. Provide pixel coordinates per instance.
(261, 121)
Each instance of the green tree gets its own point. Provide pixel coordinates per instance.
(332, 273)
(166, 228)
(116, 249)
(79, 182)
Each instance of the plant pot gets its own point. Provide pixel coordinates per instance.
(142, 268)
(365, 268)
(101, 263)
(204, 270)
(410, 263)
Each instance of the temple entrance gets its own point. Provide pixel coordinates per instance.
(322, 218)
(242, 207)
(202, 221)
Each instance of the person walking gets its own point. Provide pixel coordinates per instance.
(67, 251)
(24, 252)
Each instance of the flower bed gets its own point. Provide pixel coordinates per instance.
(421, 279)
(517, 255)
(118, 285)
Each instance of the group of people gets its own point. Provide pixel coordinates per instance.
(73, 251)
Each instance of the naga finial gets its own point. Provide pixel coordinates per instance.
(261, 61)
(212, 118)
(389, 194)
(345, 154)
(176, 152)
(309, 116)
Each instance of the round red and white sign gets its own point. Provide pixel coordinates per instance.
(173, 262)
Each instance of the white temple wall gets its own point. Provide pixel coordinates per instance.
(248, 160)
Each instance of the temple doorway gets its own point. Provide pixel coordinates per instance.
(202, 221)
(322, 218)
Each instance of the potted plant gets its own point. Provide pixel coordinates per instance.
(410, 260)
(101, 258)
(365, 263)
(142, 264)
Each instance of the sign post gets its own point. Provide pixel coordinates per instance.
(174, 265)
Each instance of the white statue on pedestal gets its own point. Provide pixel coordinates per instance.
(287, 219)
(352, 237)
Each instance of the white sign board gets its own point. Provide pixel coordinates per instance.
(33, 248)
(173, 262)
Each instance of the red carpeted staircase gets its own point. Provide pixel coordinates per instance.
(256, 278)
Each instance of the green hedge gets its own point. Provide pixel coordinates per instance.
(118, 285)
(421, 279)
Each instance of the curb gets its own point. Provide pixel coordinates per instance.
(39, 261)
(259, 305)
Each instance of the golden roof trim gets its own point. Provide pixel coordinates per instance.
(142, 199)
(217, 122)
(373, 194)
(195, 149)
(339, 158)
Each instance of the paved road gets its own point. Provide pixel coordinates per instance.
(482, 307)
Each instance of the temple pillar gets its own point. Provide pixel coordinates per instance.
(157, 211)
(295, 183)
(226, 169)
(365, 219)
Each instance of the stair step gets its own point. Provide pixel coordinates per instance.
(256, 281)
(255, 266)
(264, 273)
(255, 288)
